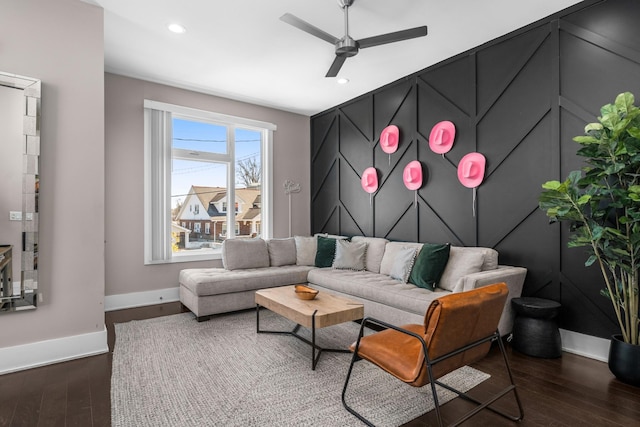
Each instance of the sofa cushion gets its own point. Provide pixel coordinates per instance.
(326, 251)
(244, 253)
(429, 265)
(402, 264)
(490, 261)
(379, 288)
(215, 281)
(462, 261)
(350, 255)
(306, 250)
(375, 251)
(390, 252)
(282, 251)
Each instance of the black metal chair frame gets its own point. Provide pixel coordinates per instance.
(481, 405)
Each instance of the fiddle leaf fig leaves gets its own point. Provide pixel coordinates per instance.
(601, 203)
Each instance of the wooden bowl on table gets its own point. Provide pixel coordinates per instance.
(305, 292)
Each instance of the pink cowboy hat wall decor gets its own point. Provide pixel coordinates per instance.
(369, 182)
(412, 178)
(389, 139)
(471, 173)
(441, 137)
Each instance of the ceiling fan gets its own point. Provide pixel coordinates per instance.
(347, 46)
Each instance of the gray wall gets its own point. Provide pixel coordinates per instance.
(124, 135)
(61, 43)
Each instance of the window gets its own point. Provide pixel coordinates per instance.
(207, 228)
(198, 158)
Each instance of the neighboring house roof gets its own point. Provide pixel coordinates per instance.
(206, 194)
(252, 213)
(249, 199)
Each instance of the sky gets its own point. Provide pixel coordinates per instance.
(207, 137)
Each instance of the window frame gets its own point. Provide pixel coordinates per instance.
(158, 155)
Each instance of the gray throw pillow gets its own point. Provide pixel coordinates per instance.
(282, 251)
(306, 250)
(350, 255)
(462, 261)
(402, 264)
(238, 254)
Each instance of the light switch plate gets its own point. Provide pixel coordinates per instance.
(15, 216)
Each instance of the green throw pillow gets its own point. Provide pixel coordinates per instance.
(326, 251)
(429, 265)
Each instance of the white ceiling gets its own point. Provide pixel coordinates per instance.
(240, 49)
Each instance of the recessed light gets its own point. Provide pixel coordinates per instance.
(177, 28)
(343, 81)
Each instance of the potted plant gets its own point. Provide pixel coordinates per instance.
(603, 206)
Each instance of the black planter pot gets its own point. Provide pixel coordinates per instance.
(624, 361)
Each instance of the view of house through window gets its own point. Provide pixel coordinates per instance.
(202, 154)
(205, 178)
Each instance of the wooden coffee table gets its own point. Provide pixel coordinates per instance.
(325, 310)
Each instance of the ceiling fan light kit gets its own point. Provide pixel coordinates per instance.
(346, 46)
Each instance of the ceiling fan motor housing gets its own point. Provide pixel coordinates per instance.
(346, 47)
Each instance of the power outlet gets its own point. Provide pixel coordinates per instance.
(15, 216)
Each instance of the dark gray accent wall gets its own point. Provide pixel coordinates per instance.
(519, 100)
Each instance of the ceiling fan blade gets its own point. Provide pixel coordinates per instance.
(335, 66)
(392, 37)
(308, 28)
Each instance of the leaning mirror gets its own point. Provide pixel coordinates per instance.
(19, 187)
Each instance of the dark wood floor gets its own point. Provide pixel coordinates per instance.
(569, 391)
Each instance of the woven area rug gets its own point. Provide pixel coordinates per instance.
(174, 371)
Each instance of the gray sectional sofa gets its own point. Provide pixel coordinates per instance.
(373, 276)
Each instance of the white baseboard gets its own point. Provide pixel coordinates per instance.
(585, 345)
(33, 355)
(140, 299)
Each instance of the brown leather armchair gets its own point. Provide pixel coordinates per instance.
(458, 330)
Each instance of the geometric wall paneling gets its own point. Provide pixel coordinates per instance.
(386, 104)
(404, 229)
(587, 314)
(510, 191)
(452, 82)
(354, 147)
(499, 64)
(325, 154)
(349, 226)
(448, 199)
(393, 199)
(355, 201)
(359, 114)
(433, 228)
(331, 224)
(503, 126)
(614, 21)
(325, 200)
(519, 100)
(320, 129)
(533, 243)
(325, 157)
(583, 64)
(434, 108)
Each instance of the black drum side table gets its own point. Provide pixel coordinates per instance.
(535, 331)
